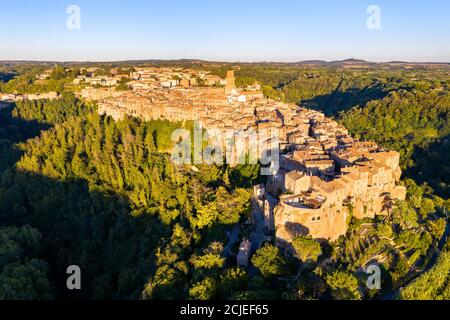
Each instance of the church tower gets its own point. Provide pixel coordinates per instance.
(230, 88)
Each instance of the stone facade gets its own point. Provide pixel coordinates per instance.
(321, 205)
(325, 178)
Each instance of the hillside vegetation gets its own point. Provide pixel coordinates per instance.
(79, 188)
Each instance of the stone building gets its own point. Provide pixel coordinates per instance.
(243, 257)
(326, 177)
(321, 208)
(230, 87)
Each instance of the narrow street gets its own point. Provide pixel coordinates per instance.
(233, 237)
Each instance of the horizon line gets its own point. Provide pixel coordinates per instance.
(311, 61)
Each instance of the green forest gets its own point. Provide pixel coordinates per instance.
(100, 194)
(77, 188)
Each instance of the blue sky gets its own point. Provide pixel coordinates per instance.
(231, 30)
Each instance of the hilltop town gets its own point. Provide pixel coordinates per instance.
(325, 176)
(323, 195)
(225, 151)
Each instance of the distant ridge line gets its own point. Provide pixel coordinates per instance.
(345, 62)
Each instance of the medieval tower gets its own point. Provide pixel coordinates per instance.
(230, 88)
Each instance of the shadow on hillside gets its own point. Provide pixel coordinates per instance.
(338, 101)
(7, 76)
(432, 165)
(79, 225)
(296, 229)
(91, 229)
(14, 130)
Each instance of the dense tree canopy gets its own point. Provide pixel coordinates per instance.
(269, 261)
(108, 198)
(307, 249)
(23, 276)
(343, 285)
(432, 285)
(79, 188)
